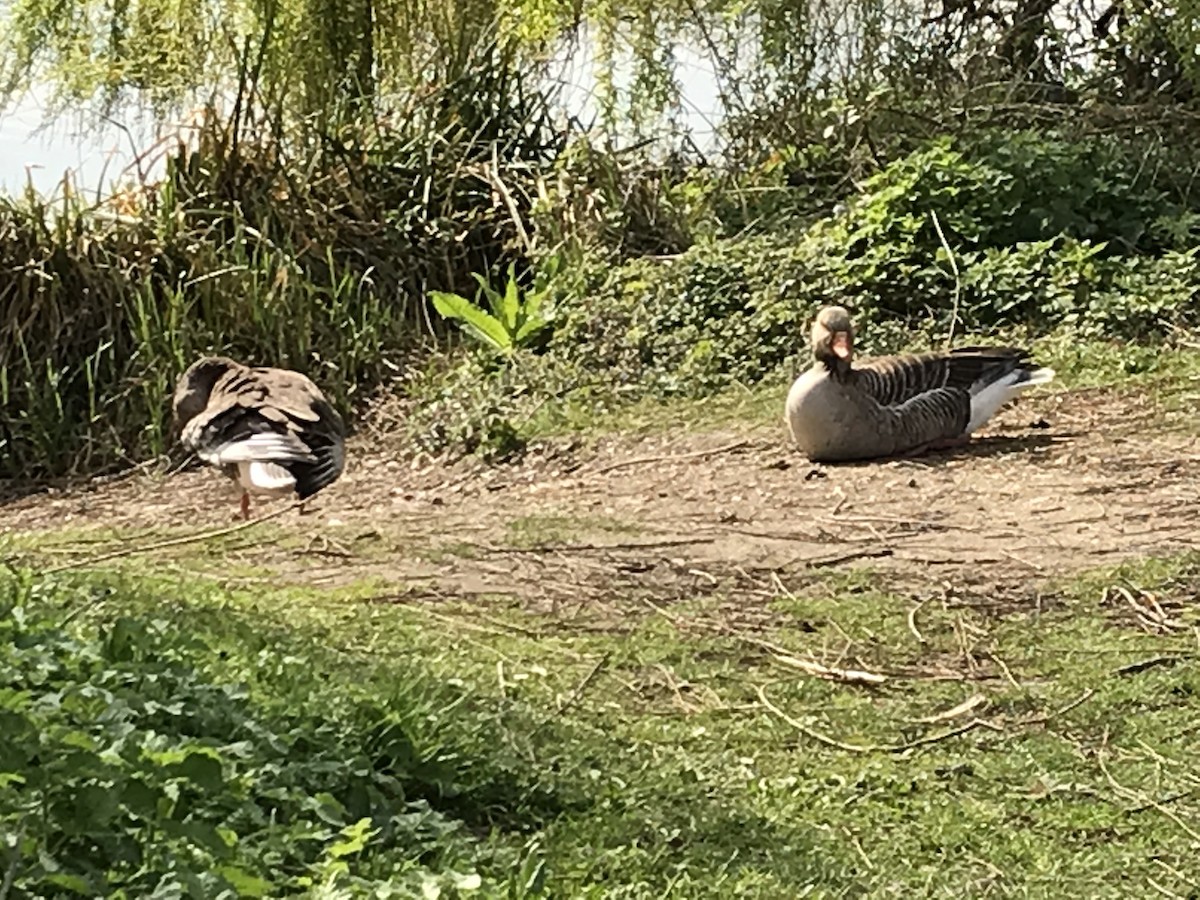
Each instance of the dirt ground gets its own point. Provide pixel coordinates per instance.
(1055, 485)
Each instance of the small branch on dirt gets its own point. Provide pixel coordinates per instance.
(842, 501)
(801, 536)
(1061, 711)
(871, 748)
(850, 676)
(670, 617)
(781, 589)
(330, 548)
(912, 622)
(583, 548)
(971, 703)
(906, 521)
(645, 460)
(173, 542)
(574, 696)
(1142, 665)
(1003, 666)
(827, 561)
(1152, 617)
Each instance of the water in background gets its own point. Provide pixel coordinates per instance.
(96, 153)
(99, 154)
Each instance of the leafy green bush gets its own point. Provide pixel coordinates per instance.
(1003, 189)
(722, 312)
(149, 757)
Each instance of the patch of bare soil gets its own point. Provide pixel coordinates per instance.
(1055, 485)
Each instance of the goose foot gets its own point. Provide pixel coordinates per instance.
(245, 506)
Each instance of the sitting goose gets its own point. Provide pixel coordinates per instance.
(894, 405)
(270, 430)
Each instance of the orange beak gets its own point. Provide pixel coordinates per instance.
(841, 344)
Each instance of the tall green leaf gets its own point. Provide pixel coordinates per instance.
(473, 320)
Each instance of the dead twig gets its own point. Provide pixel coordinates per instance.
(1061, 711)
(173, 542)
(826, 562)
(971, 703)
(1152, 617)
(574, 696)
(937, 225)
(825, 739)
(502, 686)
(912, 621)
(831, 673)
(1165, 891)
(1003, 666)
(1144, 664)
(584, 548)
(497, 184)
(1021, 560)
(670, 457)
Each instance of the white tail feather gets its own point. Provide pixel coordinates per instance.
(990, 399)
(1038, 376)
(265, 477)
(258, 447)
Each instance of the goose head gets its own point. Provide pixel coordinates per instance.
(833, 338)
(195, 386)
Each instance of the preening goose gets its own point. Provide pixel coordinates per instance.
(270, 430)
(890, 405)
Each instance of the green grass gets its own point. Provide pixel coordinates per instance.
(635, 760)
(541, 529)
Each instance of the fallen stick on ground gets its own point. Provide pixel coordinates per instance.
(669, 457)
(912, 621)
(1144, 664)
(830, 673)
(872, 748)
(573, 698)
(971, 703)
(579, 548)
(173, 542)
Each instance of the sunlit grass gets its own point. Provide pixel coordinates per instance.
(680, 779)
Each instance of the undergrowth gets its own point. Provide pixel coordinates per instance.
(1095, 237)
(179, 739)
(147, 755)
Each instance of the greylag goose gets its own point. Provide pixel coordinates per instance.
(270, 430)
(898, 405)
